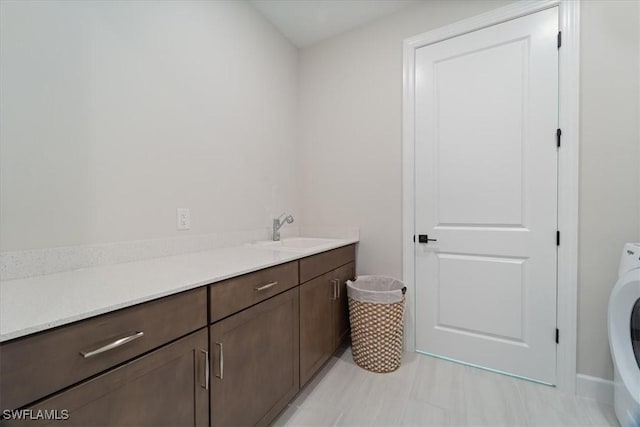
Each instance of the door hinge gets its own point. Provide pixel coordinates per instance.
(557, 336)
(559, 39)
(558, 136)
(557, 238)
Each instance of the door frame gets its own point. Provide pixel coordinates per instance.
(568, 167)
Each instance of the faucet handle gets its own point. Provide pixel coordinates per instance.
(288, 219)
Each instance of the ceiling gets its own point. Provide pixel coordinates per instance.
(305, 22)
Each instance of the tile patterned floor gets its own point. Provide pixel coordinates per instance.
(427, 391)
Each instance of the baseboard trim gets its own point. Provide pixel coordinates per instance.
(595, 388)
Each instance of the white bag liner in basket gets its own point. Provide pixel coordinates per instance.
(376, 289)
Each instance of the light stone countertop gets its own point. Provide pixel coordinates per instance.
(39, 303)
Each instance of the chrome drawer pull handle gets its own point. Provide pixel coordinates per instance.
(264, 287)
(114, 344)
(206, 369)
(221, 361)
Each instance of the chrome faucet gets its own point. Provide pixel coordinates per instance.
(278, 223)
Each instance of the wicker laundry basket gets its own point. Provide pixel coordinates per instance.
(376, 313)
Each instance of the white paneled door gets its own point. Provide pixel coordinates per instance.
(486, 114)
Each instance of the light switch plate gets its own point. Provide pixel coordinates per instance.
(184, 219)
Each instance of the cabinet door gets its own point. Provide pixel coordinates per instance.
(167, 387)
(341, 304)
(316, 333)
(255, 362)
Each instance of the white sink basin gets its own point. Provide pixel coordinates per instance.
(297, 244)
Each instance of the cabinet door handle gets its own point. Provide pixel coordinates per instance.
(220, 361)
(206, 369)
(264, 287)
(113, 344)
(335, 288)
(338, 287)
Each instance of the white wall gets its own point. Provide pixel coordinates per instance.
(113, 114)
(351, 139)
(609, 212)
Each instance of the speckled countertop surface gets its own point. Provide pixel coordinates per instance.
(38, 303)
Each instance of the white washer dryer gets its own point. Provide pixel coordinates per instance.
(624, 337)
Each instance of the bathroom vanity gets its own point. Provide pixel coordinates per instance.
(232, 349)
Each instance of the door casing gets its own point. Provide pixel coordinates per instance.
(568, 164)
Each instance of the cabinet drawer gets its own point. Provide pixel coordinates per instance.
(232, 295)
(319, 264)
(166, 387)
(38, 365)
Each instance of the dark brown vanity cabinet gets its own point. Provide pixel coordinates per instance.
(167, 387)
(143, 366)
(233, 353)
(324, 317)
(254, 362)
